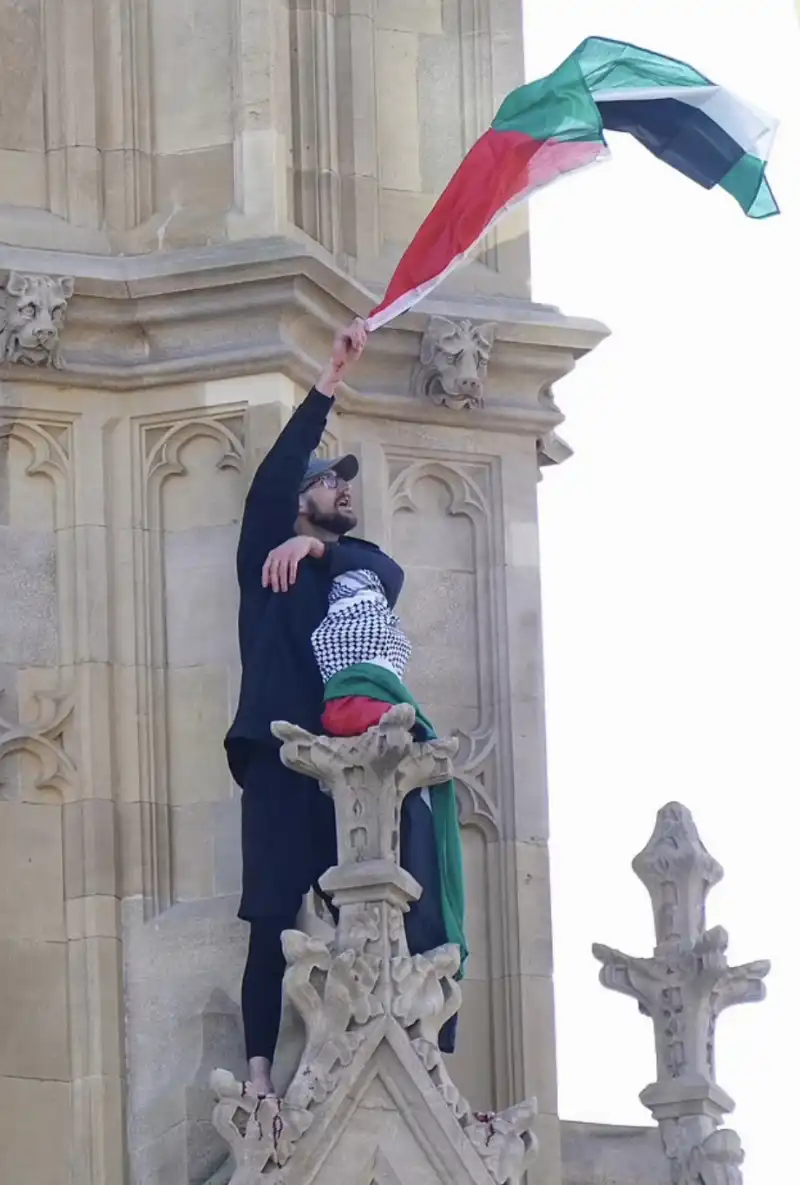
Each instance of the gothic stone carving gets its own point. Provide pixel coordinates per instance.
(683, 988)
(31, 318)
(44, 738)
(700, 1159)
(160, 458)
(454, 357)
(333, 994)
(428, 995)
(340, 994)
(479, 759)
(368, 778)
(552, 450)
(505, 1142)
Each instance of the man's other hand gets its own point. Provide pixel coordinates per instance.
(348, 346)
(280, 567)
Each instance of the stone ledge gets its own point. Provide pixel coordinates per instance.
(607, 1154)
(249, 308)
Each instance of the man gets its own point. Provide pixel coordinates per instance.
(298, 513)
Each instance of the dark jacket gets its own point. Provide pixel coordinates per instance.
(280, 677)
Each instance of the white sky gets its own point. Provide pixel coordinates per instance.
(670, 557)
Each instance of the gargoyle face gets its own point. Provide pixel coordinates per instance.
(34, 316)
(455, 355)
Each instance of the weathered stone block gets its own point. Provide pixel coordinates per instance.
(398, 128)
(33, 991)
(471, 1064)
(182, 982)
(192, 838)
(442, 140)
(28, 623)
(26, 1108)
(21, 62)
(96, 1032)
(539, 1037)
(191, 41)
(414, 16)
(89, 839)
(31, 872)
(199, 714)
(201, 596)
(23, 178)
(202, 178)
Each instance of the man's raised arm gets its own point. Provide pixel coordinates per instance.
(270, 509)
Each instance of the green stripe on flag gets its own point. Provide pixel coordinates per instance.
(558, 107)
(561, 106)
(747, 183)
(615, 65)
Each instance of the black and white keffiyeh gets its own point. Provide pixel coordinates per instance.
(359, 627)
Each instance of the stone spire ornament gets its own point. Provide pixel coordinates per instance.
(359, 1009)
(683, 988)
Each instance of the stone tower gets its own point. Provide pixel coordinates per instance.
(193, 195)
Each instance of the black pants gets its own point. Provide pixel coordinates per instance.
(288, 842)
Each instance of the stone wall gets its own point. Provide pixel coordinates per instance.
(222, 183)
(133, 126)
(120, 949)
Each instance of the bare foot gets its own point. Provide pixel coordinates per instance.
(260, 1084)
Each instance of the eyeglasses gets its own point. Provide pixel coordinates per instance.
(330, 481)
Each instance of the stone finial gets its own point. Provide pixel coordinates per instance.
(453, 361)
(32, 312)
(368, 778)
(678, 873)
(342, 998)
(683, 988)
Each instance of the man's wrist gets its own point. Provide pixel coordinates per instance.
(329, 380)
(316, 548)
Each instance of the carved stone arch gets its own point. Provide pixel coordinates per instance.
(50, 447)
(50, 444)
(466, 497)
(476, 805)
(164, 458)
(160, 446)
(484, 759)
(43, 739)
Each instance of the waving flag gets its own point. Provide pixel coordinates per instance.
(557, 124)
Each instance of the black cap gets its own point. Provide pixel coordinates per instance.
(344, 467)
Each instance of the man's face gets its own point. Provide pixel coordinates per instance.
(328, 504)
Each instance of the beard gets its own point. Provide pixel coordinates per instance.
(337, 522)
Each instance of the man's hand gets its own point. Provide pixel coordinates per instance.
(348, 346)
(280, 567)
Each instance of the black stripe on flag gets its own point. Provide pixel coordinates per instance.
(677, 133)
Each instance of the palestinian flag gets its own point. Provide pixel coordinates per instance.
(558, 124)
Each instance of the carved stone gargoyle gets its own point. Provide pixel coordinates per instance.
(453, 362)
(32, 310)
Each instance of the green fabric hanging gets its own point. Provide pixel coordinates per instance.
(375, 682)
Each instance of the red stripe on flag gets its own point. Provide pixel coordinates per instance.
(498, 171)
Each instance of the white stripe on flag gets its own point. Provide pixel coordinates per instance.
(752, 129)
(383, 314)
